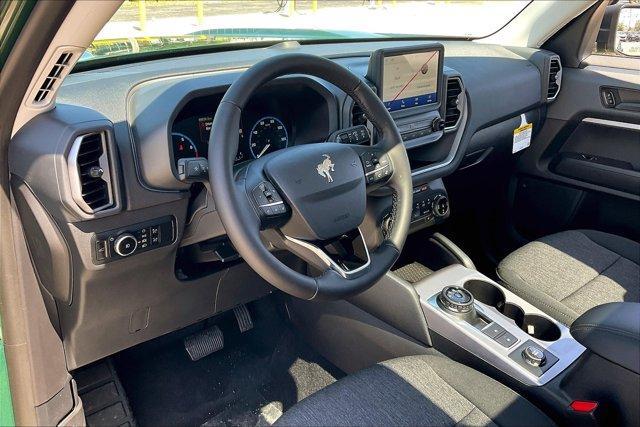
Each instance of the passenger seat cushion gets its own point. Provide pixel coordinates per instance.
(566, 274)
(415, 390)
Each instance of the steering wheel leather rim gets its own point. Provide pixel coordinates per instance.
(231, 195)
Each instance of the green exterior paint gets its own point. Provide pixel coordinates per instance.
(6, 406)
(13, 16)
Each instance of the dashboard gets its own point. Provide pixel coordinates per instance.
(136, 122)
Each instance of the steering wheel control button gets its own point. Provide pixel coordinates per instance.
(193, 169)
(534, 356)
(456, 300)
(356, 135)
(125, 244)
(506, 340)
(377, 168)
(268, 200)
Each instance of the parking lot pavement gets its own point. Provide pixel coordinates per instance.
(401, 17)
(629, 48)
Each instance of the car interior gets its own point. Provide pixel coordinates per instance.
(369, 231)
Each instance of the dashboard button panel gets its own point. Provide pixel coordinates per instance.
(135, 239)
(429, 206)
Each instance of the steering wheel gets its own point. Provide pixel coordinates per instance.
(299, 196)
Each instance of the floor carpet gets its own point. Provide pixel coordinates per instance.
(258, 375)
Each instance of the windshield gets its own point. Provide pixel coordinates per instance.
(141, 26)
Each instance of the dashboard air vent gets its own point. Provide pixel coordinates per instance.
(57, 71)
(89, 171)
(452, 113)
(555, 78)
(357, 116)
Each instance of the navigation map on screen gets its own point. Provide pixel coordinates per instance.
(410, 80)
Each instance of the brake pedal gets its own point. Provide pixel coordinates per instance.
(204, 343)
(243, 317)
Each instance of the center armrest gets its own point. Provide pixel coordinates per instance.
(612, 331)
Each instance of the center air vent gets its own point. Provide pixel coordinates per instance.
(357, 116)
(89, 172)
(453, 107)
(555, 78)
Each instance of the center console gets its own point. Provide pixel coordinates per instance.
(487, 320)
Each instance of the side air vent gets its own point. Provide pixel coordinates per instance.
(453, 107)
(555, 78)
(57, 71)
(357, 116)
(90, 174)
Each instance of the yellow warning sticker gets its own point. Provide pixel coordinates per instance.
(522, 137)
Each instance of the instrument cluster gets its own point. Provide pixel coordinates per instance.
(278, 116)
(257, 138)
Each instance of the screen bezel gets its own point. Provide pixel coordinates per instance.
(375, 73)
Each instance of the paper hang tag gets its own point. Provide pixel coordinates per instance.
(522, 135)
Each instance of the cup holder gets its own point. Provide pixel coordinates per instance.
(540, 327)
(485, 292)
(537, 326)
(514, 313)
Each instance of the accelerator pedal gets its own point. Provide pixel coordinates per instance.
(245, 323)
(204, 343)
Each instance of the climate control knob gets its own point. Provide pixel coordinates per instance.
(440, 206)
(125, 244)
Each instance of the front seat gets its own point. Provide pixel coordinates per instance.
(566, 274)
(415, 390)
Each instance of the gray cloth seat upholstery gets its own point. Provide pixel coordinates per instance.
(568, 273)
(415, 390)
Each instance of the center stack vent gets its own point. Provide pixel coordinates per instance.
(453, 107)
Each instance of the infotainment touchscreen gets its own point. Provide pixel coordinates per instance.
(408, 77)
(410, 80)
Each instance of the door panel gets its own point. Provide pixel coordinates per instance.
(583, 168)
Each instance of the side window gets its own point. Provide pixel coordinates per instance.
(619, 33)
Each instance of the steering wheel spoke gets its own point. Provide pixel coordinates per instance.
(334, 255)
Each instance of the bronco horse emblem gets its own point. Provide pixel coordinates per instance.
(325, 168)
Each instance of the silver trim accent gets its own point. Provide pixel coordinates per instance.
(454, 147)
(558, 78)
(326, 259)
(74, 173)
(465, 335)
(271, 204)
(377, 170)
(459, 106)
(612, 123)
(116, 244)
